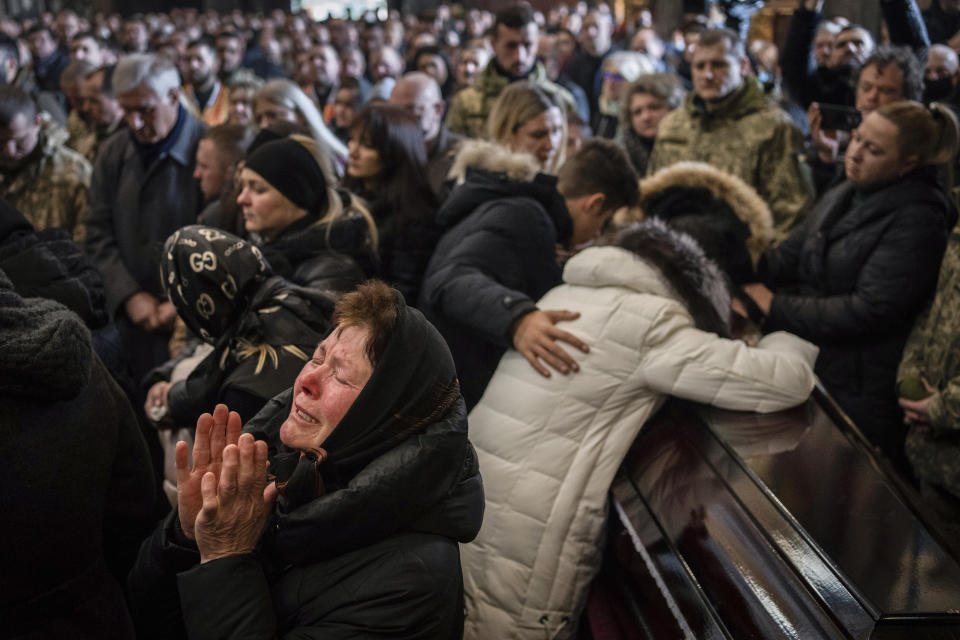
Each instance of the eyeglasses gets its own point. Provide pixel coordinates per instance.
(615, 77)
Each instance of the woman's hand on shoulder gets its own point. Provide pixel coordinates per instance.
(214, 432)
(238, 504)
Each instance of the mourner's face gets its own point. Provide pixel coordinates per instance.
(210, 171)
(363, 161)
(646, 112)
(873, 156)
(516, 49)
(327, 387)
(266, 113)
(716, 71)
(879, 86)
(241, 106)
(266, 211)
(149, 116)
(540, 136)
(18, 140)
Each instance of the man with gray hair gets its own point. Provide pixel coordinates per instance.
(142, 191)
(419, 94)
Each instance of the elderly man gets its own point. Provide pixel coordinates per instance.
(726, 121)
(515, 39)
(142, 191)
(39, 175)
(419, 94)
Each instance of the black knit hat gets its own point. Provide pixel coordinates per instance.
(291, 169)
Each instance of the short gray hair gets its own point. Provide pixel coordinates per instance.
(150, 70)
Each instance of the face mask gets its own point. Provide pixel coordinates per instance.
(934, 90)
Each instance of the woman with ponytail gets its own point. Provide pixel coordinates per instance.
(854, 276)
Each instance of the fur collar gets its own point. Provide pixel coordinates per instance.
(741, 197)
(650, 257)
(490, 156)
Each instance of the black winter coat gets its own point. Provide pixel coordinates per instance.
(76, 484)
(314, 255)
(852, 279)
(376, 559)
(497, 257)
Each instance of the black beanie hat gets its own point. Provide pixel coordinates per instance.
(292, 170)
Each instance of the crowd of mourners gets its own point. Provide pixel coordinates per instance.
(258, 274)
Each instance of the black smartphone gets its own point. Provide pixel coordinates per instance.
(838, 117)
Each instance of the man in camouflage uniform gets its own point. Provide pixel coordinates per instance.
(100, 108)
(39, 175)
(82, 137)
(515, 37)
(728, 122)
(929, 381)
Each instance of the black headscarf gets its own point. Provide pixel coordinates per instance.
(413, 385)
(223, 291)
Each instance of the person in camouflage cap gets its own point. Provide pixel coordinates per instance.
(728, 122)
(928, 381)
(39, 175)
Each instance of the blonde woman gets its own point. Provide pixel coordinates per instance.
(528, 118)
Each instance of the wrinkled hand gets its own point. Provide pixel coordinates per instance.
(214, 432)
(236, 506)
(827, 141)
(535, 336)
(917, 412)
(761, 295)
(156, 397)
(141, 308)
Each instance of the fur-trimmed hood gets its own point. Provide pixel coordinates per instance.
(742, 199)
(490, 156)
(650, 257)
(485, 171)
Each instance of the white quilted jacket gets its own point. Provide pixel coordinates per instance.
(549, 447)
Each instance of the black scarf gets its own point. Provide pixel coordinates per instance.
(413, 385)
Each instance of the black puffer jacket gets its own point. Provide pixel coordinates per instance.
(496, 259)
(315, 255)
(852, 279)
(376, 559)
(76, 485)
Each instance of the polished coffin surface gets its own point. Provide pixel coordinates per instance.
(775, 526)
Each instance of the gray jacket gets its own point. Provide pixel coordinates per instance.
(133, 210)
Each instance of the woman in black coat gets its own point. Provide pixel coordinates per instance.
(375, 484)
(309, 233)
(854, 276)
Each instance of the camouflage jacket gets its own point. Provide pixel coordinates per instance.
(933, 351)
(51, 190)
(82, 138)
(470, 107)
(744, 135)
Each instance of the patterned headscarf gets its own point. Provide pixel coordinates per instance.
(209, 276)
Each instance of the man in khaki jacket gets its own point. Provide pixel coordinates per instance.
(728, 122)
(515, 38)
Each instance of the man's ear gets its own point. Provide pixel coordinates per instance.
(909, 164)
(174, 96)
(745, 66)
(38, 119)
(594, 204)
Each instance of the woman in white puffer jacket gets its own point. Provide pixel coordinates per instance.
(653, 310)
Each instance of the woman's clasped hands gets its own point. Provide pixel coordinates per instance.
(224, 500)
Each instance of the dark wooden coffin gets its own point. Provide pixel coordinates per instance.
(733, 525)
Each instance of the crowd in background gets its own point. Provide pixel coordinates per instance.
(575, 218)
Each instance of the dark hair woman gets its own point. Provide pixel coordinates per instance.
(387, 167)
(854, 276)
(376, 482)
(310, 234)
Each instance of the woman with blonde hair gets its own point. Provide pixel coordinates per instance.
(854, 276)
(529, 118)
(618, 69)
(309, 232)
(283, 100)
